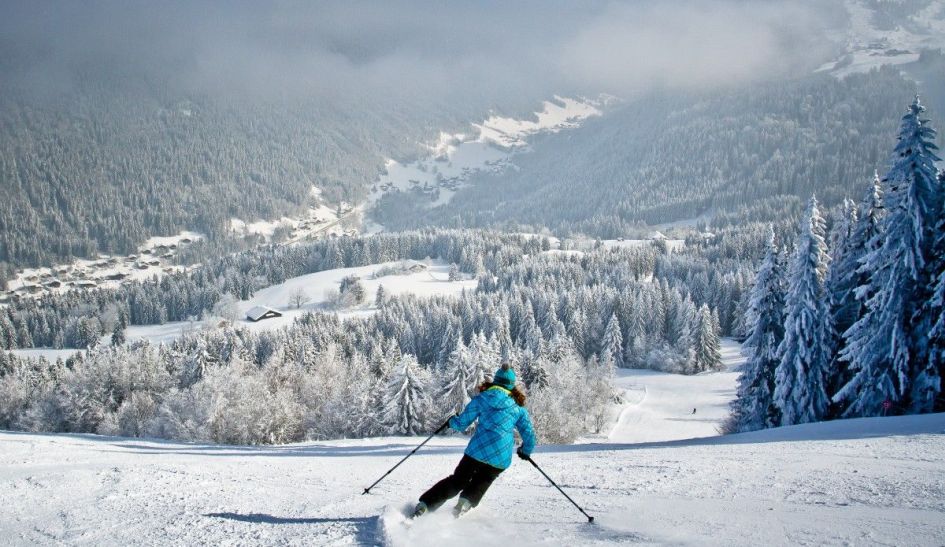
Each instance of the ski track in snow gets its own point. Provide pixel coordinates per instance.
(878, 481)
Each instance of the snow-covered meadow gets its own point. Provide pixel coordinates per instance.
(431, 279)
(866, 481)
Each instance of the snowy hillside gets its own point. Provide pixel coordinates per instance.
(887, 33)
(454, 157)
(868, 481)
(428, 280)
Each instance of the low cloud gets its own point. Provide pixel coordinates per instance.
(434, 49)
(638, 46)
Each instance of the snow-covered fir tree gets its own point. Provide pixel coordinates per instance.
(799, 392)
(937, 304)
(707, 348)
(408, 405)
(459, 380)
(839, 284)
(889, 357)
(612, 344)
(753, 407)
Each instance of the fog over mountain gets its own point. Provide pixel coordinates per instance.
(448, 49)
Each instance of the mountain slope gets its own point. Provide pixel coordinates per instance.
(745, 153)
(874, 481)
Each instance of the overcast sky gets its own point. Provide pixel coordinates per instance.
(313, 48)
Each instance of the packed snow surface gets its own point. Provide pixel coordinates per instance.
(866, 481)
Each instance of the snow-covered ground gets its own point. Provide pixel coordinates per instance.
(432, 280)
(490, 147)
(655, 399)
(868, 45)
(870, 481)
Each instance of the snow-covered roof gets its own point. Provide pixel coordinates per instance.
(258, 312)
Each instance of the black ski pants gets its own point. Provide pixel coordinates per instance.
(470, 480)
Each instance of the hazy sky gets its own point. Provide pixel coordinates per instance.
(536, 47)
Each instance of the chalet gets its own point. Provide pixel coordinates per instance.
(117, 276)
(186, 240)
(141, 266)
(258, 313)
(86, 284)
(415, 268)
(155, 263)
(53, 284)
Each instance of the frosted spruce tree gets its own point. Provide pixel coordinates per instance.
(460, 380)
(612, 344)
(856, 237)
(407, 405)
(707, 354)
(887, 354)
(937, 305)
(799, 392)
(754, 407)
(844, 258)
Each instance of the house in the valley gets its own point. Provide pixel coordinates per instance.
(258, 313)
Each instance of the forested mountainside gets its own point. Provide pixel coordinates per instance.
(743, 154)
(108, 165)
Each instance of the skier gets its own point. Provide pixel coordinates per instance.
(500, 408)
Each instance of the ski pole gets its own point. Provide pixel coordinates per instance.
(442, 427)
(590, 519)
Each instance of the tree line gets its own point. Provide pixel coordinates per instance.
(565, 321)
(851, 324)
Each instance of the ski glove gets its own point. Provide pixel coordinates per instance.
(521, 454)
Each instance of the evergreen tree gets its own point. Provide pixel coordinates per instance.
(683, 320)
(118, 334)
(612, 344)
(889, 356)
(800, 393)
(754, 406)
(847, 279)
(937, 305)
(459, 380)
(407, 406)
(381, 297)
(707, 355)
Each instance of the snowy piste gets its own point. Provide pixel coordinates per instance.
(863, 481)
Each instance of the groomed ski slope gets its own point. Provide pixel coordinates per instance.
(875, 481)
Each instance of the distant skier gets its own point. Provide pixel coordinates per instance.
(693, 411)
(500, 408)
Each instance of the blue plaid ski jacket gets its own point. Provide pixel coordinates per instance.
(493, 442)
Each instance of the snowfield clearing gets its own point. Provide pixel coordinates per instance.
(432, 280)
(866, 481)
(660, 406)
